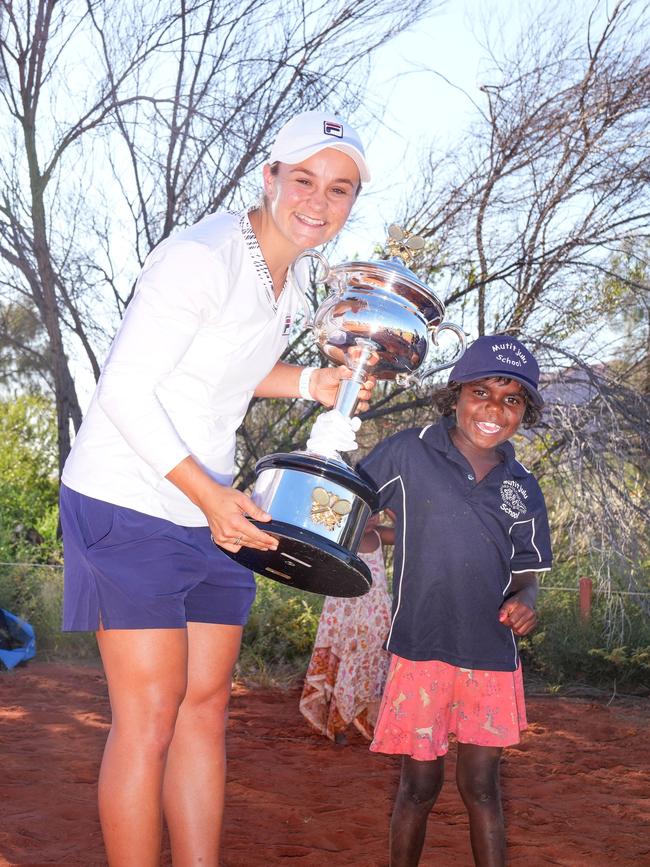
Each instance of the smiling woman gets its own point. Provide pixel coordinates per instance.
(307, 204)
(309, 186)
(146, 488)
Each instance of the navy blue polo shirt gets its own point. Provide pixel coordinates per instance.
(456, 545)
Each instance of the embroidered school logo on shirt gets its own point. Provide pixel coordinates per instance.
(331, 127)
(513, 496)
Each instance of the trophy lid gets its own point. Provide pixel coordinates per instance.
(392, 272)
(391, 275)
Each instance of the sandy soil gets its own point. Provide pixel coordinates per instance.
(576, 791)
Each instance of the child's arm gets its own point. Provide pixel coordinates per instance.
(387, 531)
(518, 611)
(386, 534)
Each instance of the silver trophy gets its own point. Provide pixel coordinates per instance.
(379, 319)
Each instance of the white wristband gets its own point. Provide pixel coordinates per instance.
(303, 383)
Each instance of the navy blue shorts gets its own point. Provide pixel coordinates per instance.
(132, 571)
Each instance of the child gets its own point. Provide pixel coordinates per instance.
(348, 666)
(471, 534)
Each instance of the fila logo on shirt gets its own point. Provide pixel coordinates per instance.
(331, 127)
(287, 325)
(511, 495)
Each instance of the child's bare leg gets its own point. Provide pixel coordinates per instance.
(419, 787)
(477, 775)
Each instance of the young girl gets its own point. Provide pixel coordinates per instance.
(471, 534)
(146, 489)
(348, 667)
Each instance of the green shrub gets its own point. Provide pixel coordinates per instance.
(564, 649)
(35, 594)
(281, 628)
(628, 668)
(28, 480)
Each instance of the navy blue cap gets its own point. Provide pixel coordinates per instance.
(499, 355)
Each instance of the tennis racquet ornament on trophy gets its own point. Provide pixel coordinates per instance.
(380, 320)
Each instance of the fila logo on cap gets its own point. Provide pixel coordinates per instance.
(331, 127)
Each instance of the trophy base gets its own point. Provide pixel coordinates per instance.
(307, 561)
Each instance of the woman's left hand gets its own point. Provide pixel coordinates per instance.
(324, 384)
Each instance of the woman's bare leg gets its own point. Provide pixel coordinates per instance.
(477, 775)
(146, 673)
(195, 775)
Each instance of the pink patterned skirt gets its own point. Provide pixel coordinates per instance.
(348, 666)
(425, 702)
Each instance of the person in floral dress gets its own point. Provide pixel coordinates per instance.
(348, 667)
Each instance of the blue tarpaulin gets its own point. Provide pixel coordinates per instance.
(17, 639)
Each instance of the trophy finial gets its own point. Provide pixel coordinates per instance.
(399, 245)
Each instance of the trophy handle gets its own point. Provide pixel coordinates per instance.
(308, 254)
(435, 331)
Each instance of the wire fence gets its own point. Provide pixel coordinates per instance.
(542, 587)
(595, 590)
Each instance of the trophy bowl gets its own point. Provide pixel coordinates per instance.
(379, 319)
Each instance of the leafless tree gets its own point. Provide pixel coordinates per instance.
(592, 455)
(120, 121)
(22, 351)
(537, 225)
(532, 216)
(552, 177)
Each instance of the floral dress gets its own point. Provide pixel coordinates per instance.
(348, 667)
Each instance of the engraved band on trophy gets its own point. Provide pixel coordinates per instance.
(379, 319)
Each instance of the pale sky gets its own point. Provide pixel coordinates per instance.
(410, 75)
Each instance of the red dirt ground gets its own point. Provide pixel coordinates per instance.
(576, 791)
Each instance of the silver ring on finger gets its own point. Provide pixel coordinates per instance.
(237, 541)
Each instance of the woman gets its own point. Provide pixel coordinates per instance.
(146, 488)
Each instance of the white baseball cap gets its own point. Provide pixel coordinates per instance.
(312, 131)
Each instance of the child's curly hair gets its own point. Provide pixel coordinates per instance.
(445, 399)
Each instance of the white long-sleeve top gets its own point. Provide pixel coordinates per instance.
(202, 331)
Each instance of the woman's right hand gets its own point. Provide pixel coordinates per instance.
(226, 509)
